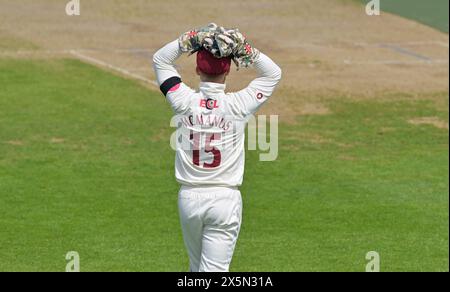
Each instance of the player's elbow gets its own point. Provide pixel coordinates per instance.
(277, 74)
(155, 59)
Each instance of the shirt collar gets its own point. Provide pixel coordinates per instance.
(211, 88)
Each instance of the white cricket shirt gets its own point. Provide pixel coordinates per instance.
(211, 123)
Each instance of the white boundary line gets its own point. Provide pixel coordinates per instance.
(112, 67)
(78, 53)
(33, 52)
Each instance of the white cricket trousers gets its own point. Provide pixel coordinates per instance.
(210, 219)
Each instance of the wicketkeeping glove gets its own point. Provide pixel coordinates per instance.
(221, 43)
(192, 41)
(243, 53)
(230, 43)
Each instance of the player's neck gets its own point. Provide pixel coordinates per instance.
(213, 79)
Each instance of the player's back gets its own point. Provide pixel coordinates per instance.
(211, 133)
(211, 136)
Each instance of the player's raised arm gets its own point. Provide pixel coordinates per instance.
(168, 78)
(164, 59)
(248, 100)
(260, 89)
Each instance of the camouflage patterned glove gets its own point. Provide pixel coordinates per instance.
(221, 43)
(231, 43)
(192, 41)
(243, 53)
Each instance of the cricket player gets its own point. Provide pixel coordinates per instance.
(209, 162)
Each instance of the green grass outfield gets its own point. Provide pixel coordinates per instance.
(85, 165)
(430, 12)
